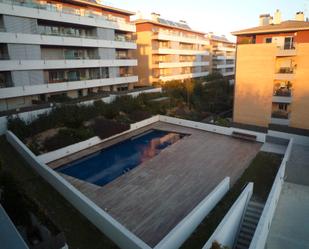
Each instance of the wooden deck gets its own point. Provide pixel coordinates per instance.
(152, 198)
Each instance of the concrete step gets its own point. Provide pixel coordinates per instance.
(276, 140)
(244, 242)
(247, 231)
(253, 214)
(249, 226)
(250, 220)
(254, 210)
(244, 235)
(241, 247)
(255, 204)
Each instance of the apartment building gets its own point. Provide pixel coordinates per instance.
(170, 50)
(74, 48)
(223, 56)
(272, 74)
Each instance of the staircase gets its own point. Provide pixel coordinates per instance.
(249, 224)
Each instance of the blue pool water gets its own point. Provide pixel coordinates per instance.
(106, 165)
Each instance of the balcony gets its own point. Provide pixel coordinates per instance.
(285, 73)
(125, 38)
(50, 11)
(179, 36)
(280, 117)
(287, 49)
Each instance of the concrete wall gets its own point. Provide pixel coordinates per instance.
(227, 231)
(262, 229)
(102, 220)
(211, 128)
(255, 68)
(9, 236)
(300, 89)
(179, 234)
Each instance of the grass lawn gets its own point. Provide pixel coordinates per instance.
(262, 172)
(79, 232)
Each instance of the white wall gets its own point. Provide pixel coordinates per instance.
(179, 234)
(11, 92)
(227, 230)
(262, 230)
(14, 65)
(102, 220)
(211, 128)
(297, 139)
(63, 17)
(19, 38)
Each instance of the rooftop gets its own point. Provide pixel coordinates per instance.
(97, 3)
(287, 26)
(169, 24)
(154, 197)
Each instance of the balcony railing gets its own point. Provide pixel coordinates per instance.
(280, 114)
(125, 38)
(286, 70)
(66, 10)
(283, 92)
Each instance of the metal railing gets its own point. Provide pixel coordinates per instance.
(66, 10)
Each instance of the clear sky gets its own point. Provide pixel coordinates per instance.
(218, 16)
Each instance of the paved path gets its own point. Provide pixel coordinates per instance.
(290, 225)
(153, 197)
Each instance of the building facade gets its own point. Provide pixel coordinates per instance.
(170, 51)
(272, 74)
(223, 56)
(74, 48)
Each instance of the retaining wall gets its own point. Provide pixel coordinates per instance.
(262, 229)
(227, 230)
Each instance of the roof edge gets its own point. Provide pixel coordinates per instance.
(140, 21)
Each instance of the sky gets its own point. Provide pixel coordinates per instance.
(218, 16)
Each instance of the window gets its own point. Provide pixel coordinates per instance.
(289, 43)
(283, 107)
(268, 40)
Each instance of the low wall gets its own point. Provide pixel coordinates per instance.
(102, 220)
(211, 128)
(27, 116)
(262, 229)
(9, 236)
(297, 139)
(179, 234)
(226, 232)
(71, 149)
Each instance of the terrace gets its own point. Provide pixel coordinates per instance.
(181, 176)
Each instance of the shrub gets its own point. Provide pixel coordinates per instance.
(105, 128)
(139, 115)
(19, 127)
(67, 137)
(216, 245)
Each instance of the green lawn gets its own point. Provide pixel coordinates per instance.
(79, 232)
(262, 172)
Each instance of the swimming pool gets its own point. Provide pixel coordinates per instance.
(106, 165)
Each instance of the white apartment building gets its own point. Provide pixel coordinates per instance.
(74, 48)
(223, 56)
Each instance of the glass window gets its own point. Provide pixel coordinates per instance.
(268, 40)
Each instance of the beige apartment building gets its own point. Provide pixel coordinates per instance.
(170, 51)
(223, 56)
(272, 74)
